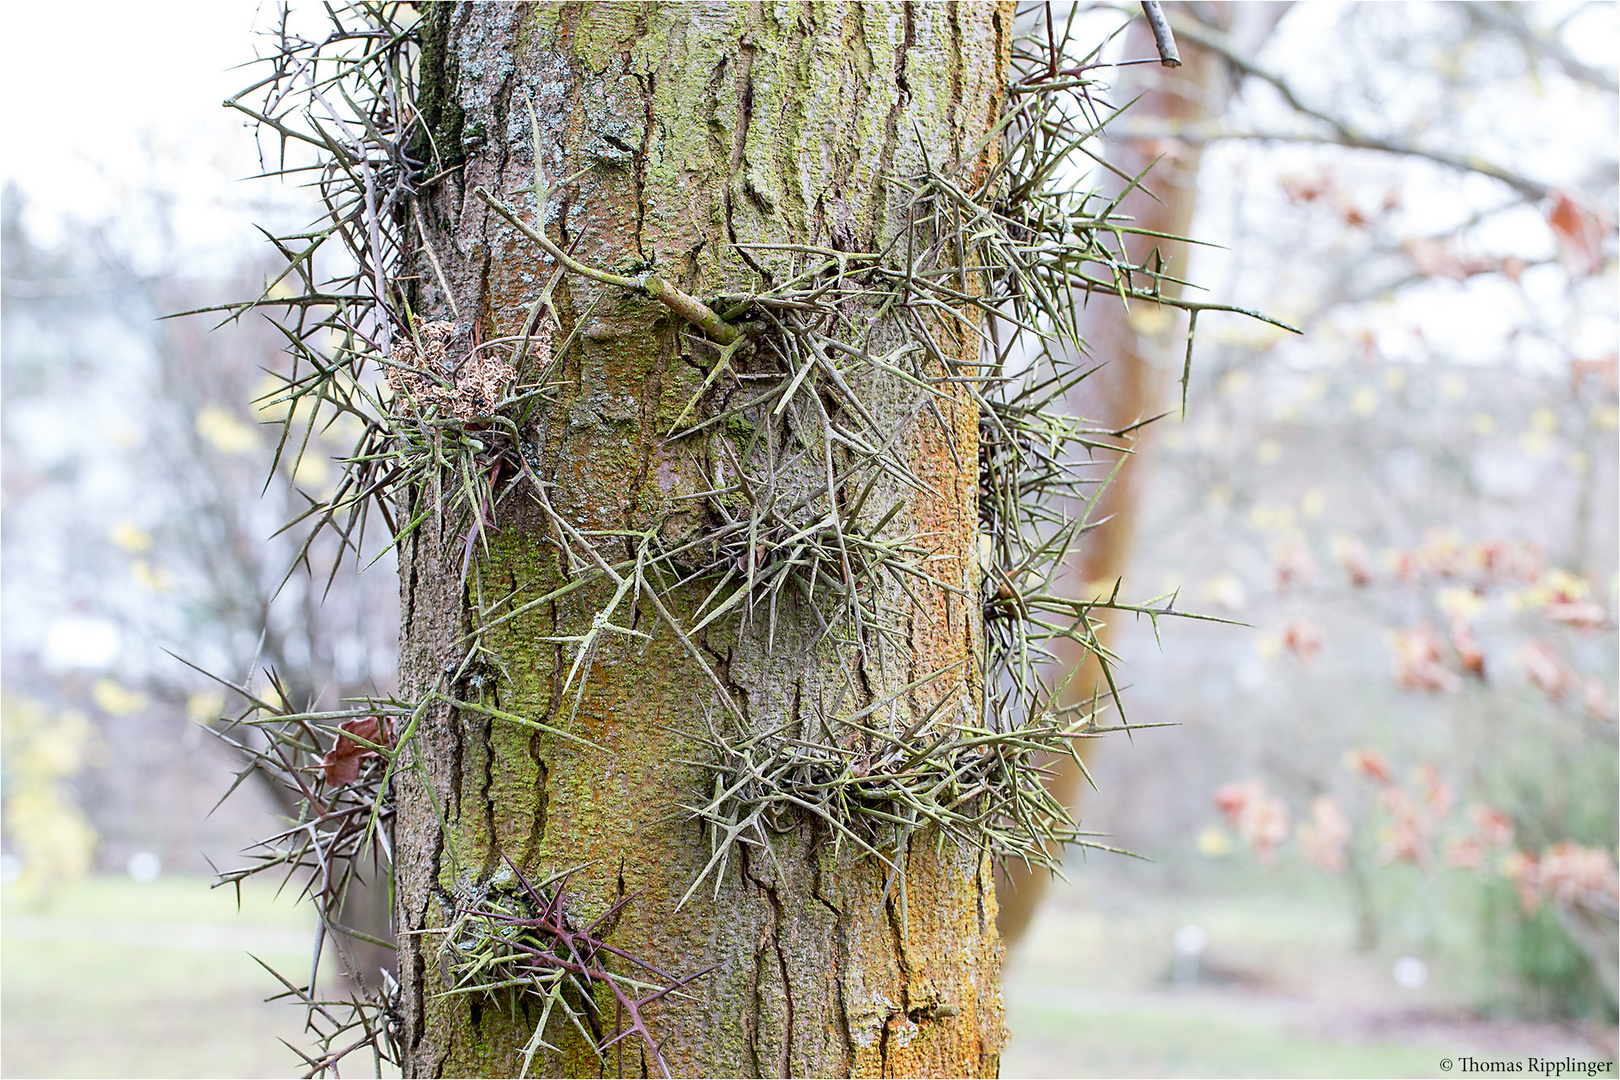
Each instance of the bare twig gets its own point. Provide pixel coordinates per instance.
(1162, 37)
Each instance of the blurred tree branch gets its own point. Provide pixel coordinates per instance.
(1509, 19)
(1342, 133)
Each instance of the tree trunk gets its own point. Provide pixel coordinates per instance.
(699, 128)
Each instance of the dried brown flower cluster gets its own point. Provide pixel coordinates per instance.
(425, 379)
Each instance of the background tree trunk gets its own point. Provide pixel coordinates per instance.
(1140, 353)
(700, 127)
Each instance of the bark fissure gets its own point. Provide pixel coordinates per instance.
(891, 124)
(954, 112)
(787, 990)
(487, 804)
(744, 84)
(759, 126)
(638, 163)
(458, 754)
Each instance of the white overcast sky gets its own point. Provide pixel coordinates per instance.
(103, 99)
(106, 103)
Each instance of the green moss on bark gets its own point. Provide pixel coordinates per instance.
(440, 145)
(695, 130)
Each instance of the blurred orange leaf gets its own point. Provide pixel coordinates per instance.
(1406, 839)
(1369, 763)
(1570, 874)
(1469, 654)
(1437, 794)
(1585, 614)
(1597, 699)
(1495, 828)
(1520, 868)
(1437, 257)
(1605, 371)
(1465, 853)
(1304, 189)
(1324, 837)
(1264, 824)
(1350, 553)
(1543, 668)
(1230, 799)
(1303, 639)
(1415, 660)
(1295, 564)
(1579, 233)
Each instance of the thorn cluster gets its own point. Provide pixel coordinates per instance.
(523, 941)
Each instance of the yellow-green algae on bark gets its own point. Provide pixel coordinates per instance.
(703, 127)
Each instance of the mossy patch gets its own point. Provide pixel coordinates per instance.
(439, 142)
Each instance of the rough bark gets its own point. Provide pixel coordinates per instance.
(702, 127)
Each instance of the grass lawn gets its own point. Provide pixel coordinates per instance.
(1098, 1037)
(114, 978)
(1283, 993)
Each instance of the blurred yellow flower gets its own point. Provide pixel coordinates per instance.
(147, 578)
(131, 537)
(1227, 591)
(205, 706)
(49, 833)
(1149, 319)
(125, 434)
(313, 471)
(1101, 589)
(1536, 444)
(1565, 585)
(267, 397)
(346, 429)
(1364, 401)
(1213, 842)
(269, 694)
(1313, 503)
(116, 700)
(1248, 334)
(225, 432)
(1461, 603)
(1267, 518)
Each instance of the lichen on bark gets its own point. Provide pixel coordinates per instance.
(697, 132)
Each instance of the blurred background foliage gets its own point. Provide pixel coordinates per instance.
(1393, 797)
(1413, 503)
